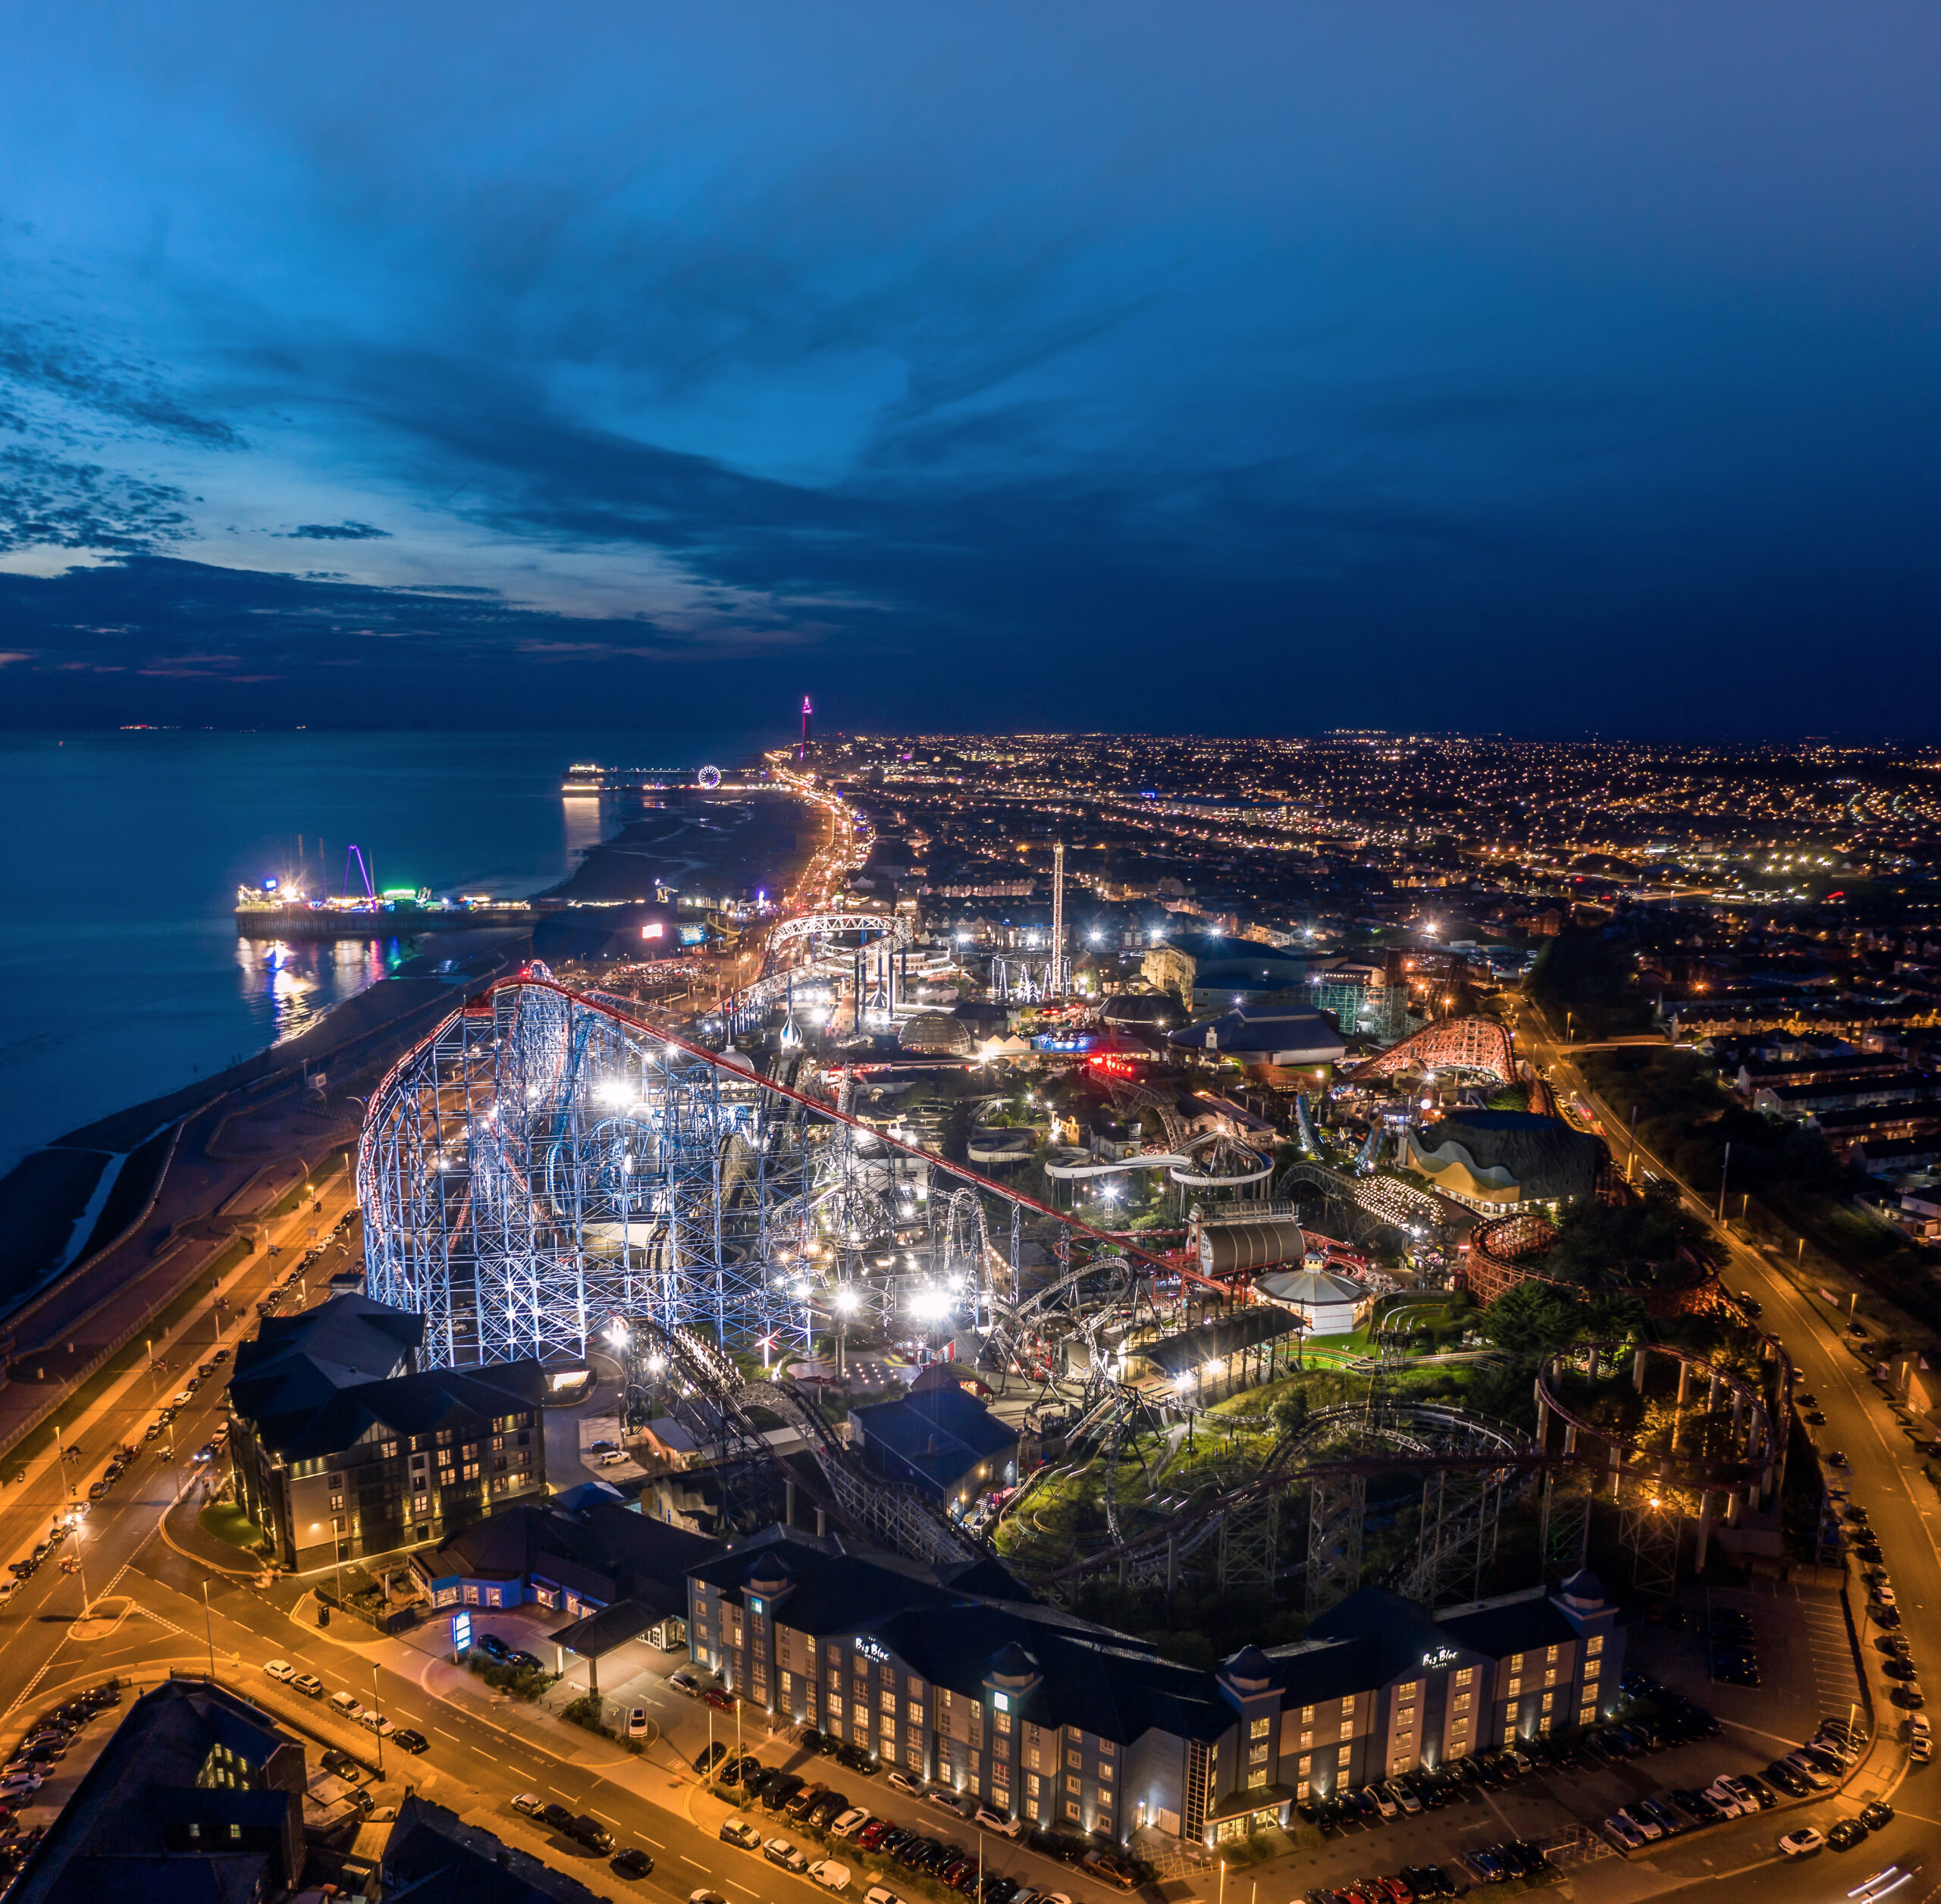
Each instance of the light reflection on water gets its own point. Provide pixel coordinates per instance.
(287, 988)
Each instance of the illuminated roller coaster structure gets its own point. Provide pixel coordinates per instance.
(1714, 1455)
(544, 1161)
(1469, 1465)
(1477, 1045)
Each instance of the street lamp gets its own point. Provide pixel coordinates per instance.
(377, 1706)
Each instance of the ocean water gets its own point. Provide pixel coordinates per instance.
(121, 975)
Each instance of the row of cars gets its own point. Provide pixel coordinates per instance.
(822, 1808)
(348, 1708)
(1817, 1766)
(586, 1831)
(48, 1740)
(1733, 1659)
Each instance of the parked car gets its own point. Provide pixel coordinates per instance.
(1844, 1834)
(722, 1700)
(344, 1765)
(1800, 1843)
(990, 1821)
(708, 1757)
(280, 1669)
(407, 1739)
(632, 1862)
(346, 1706)
(739, 1831)
(1627, 1834)
(591, 1833)
(849, 1824)
(830, 1875)
(779, 1851)
(685, 1679)
(309, 1685)
(905, 1782)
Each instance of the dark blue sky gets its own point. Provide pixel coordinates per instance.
(1245, 368)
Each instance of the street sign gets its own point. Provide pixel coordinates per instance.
(461, 1633)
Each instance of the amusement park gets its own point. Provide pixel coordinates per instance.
(931, 1256)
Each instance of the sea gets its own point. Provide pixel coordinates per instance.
(121, 975)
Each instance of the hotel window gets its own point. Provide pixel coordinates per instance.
(1551, 1655)
(1031, 1785)
(1257, 1775)
(1304, 1765)
(1516, 1686)
(1408, 1692)
(1071, 1807)
(1307, 1715)
(1071, 1782)
(1259, 1728)
(1307, 1739)
(1004, 1723)
(1595, 1644)
(1587, 1715)
(1347, 1753)
(1348, 1728)
(888, 1700)
(1592, 1666)
(889, 1726)
(1348, 1706)
(836, 1707)
(916, 1712)
(1515, 1662)
(1256, 1752)
(914, 1758)
(787, 1684)
(1031, 1757)
(421, 1503)
(1510, 1733)
(915, 1688)
(1549, 1700)
(1105, 1772)
(1074, 1760)
(1461, 1702)
(1465, 1675)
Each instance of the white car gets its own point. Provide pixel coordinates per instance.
(637, 1723)
(881, 1894)
(1727, 1800)
(1649, 1826)
(987, 1819)
(1920, 1749)
(346, 1706)
(1918, 1726)
(905, 1782)
(1883, 1594)
(849, 1823)
(376, 1722)
(1797, 1844)
(280, 1671)
(1384, 1803)
(830, 1875)
(1626, 1834)
(683, 1681)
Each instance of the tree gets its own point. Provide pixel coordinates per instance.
(1534, 1319)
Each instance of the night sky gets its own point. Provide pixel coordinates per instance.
(1240, 368)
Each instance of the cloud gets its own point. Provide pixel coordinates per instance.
(338, 532)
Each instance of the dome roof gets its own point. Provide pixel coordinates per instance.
(739, 1059)
(1248, 1671)
(1308, 1286)
(1584, 1591)
(933, 1031)
(1013, 1667)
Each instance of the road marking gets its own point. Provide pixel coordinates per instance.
(698, 1866)
(451, 1736)
(484, 1754)
(655, 1842)
(740, 1886)
(612, 1821)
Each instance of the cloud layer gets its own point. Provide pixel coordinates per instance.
(1280, 368)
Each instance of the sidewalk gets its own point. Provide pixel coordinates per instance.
(125, 1392)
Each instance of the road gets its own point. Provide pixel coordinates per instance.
(1885, 1478)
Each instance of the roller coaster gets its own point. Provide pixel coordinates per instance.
(544, 1160)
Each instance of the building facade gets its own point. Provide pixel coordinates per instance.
(339, 1451)
(957, 1678)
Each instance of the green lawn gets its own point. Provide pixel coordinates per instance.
(228, 1522)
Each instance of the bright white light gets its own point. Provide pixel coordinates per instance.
(617, 1335)
(930, 1304)
(1182, 1384)
(656, 1363)
(846, 1300)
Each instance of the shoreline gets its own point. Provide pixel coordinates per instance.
(66, 1199)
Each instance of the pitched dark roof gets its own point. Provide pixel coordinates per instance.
(411, 1404)
(143, 1786)
(1512, 1624)
(432, 1858)
(940, 1432)
(604, 1549)
(1544, 1156)
(600, 1633)
(295, 1364)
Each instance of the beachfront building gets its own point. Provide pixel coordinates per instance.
(342, 1450)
